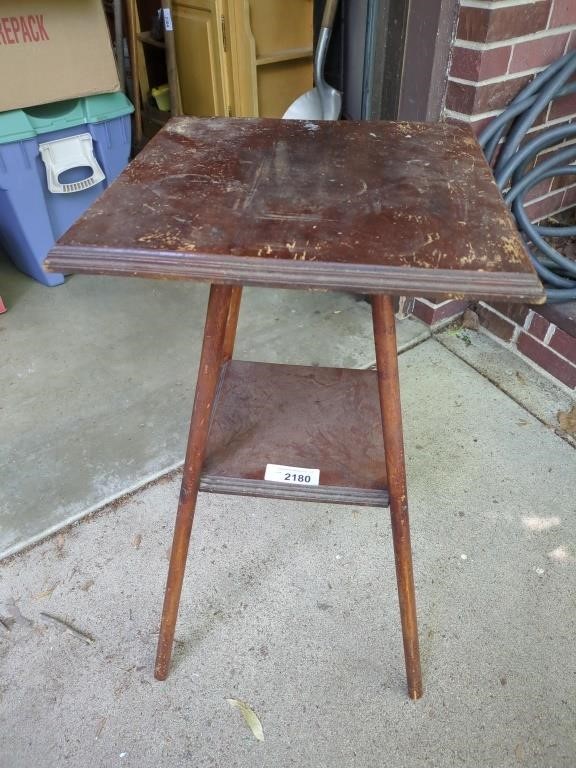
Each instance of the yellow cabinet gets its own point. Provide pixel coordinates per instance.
(246, 58)
(201, 56)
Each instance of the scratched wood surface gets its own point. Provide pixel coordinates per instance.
(405, 208)
(319, 418)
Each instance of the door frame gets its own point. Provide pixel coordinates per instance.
(407, 56)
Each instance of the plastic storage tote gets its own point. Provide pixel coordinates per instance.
(55, 160)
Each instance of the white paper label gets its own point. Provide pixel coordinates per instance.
(278, 473)
(167, 19)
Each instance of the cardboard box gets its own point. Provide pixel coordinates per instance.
(51, 50)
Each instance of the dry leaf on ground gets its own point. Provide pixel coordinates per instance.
(100, 727)
(250, 717)
(567, 420)
(46, 592)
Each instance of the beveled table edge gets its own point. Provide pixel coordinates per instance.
(286, 273)
(321, 494)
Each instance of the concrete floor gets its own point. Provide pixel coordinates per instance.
(292, 608)
(99, 374)
(518, 377)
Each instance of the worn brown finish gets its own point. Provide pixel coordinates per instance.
(389, 390)
(232, 323)
(402, 208)
(319, 418)
(322, 494)
(208, 374)
(396, 208)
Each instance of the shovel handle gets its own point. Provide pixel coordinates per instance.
(329, 13)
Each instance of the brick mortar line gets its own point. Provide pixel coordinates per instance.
(564, 145)
(544, 198)
(544, 216)
(550, 12)
(550, 349)
(495, 112)
(432, 305)
(527, 320)
(525, 328)
(474, 45)
(541, 199)
(553, 213)
(492, 309)
(512, 346)
(468, 118)
(511, 56)
(548, 335)
(553, 122)
(568, 119)
(504, 78)
(425, 302)
(517, 327)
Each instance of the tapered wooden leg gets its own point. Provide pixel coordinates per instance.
(389, 390)
(232, 323)
(212, 356)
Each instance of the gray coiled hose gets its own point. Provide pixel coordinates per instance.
(512, 164)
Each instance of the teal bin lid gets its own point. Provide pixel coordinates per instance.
(106, 106)
(21, 124)
(15, 126)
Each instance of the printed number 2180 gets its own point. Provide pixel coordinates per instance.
(282, 473)
(294, 478)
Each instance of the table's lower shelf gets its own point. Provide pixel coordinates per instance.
(320, 418)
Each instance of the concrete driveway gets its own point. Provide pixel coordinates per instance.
(292, 609)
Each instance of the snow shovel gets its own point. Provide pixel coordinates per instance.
(323, 102)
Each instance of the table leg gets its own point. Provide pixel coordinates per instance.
(232, 322)
(219, 318)
(389, 391)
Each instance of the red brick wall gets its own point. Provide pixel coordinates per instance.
(500, 45)
(535, 336)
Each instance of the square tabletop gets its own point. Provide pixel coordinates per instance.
(370, 207)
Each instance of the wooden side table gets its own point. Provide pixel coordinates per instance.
(374, 208)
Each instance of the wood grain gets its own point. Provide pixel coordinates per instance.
(321, 418)
(389, 390)
(402, 208)
(208, 375)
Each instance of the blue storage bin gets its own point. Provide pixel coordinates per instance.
(55, 160)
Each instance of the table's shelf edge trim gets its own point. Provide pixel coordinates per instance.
(270, 490)
(249, 270)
